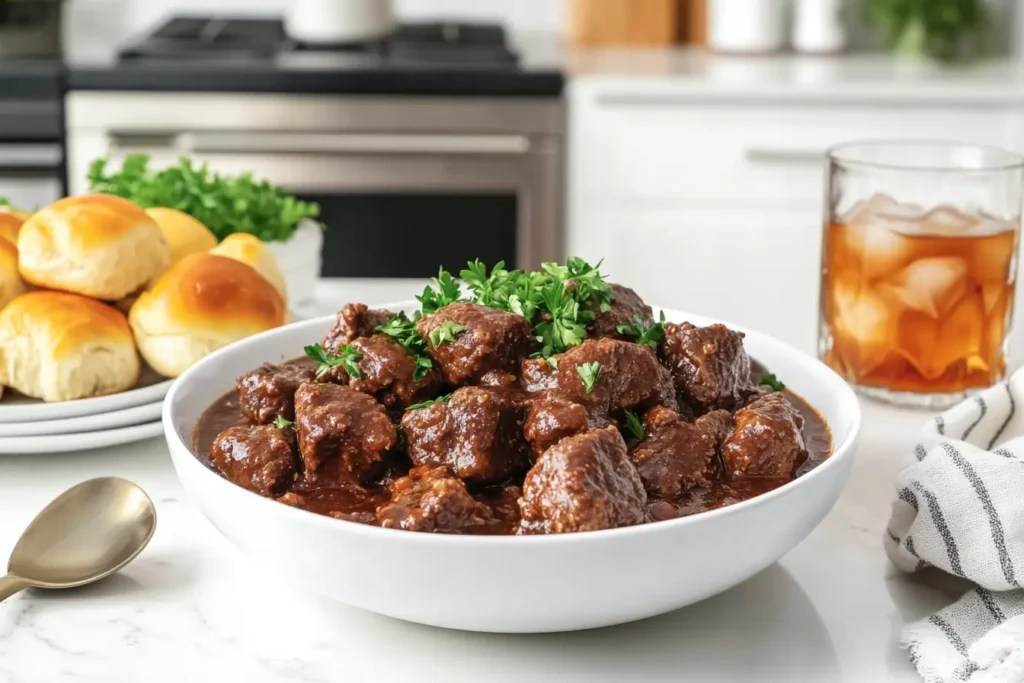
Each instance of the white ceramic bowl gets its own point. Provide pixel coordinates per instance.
(508, 583)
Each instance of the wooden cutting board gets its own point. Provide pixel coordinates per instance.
(624, 22)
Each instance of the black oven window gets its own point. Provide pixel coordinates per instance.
(410, 235)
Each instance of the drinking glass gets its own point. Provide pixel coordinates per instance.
(918, 268)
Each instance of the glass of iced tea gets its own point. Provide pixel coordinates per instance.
(918, 268)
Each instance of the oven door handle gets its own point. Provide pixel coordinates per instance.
(226, 142)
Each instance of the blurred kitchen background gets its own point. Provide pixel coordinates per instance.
(682, 141)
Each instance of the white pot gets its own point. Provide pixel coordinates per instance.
(299, 259)
(747, 26)
(818, 26)
(339, 21)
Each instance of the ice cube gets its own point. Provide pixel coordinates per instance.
(948, 220)
(930, 285)
(867, 209)
(932, 346)
(879, 250)
(867, 326)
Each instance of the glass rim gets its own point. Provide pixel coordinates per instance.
(1006, 160)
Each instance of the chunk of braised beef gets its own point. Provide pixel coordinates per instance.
(709, 365)
(388, 372)
(629, 378)
(487, 348)
(431, 499)
(342, 434)
(354, 321)
(676, 455)
(626, 309)
(269, 390)
(766, 439)
(583, 483)
(478, 434)
(260, 458)
(551, 418)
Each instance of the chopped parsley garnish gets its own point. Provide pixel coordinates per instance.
(634, 425)
(643, 334)
(445, 333)
(444, 291)
(589, 373)
(347, 357)
(552, 362)
(282, 423)
(563, 325)
(427, 404)
(772, 381)
(403, 330)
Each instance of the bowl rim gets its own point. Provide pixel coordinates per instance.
(840, 453)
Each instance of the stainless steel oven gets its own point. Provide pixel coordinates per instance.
(404, 184)
(31, 152)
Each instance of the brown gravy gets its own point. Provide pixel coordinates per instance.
(356, 503)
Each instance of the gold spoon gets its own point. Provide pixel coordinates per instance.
(87, 533)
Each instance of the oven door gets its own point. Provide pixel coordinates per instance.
(397, 205)
(31, 174)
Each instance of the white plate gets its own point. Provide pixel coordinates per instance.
(87, 423)
(17, 408)
(559, 582)
(79, 441)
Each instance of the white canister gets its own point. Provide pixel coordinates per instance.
(747, 26)
(299, 259)
(818, 26)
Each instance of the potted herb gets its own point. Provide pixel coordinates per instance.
(226, 205)
(947, 30)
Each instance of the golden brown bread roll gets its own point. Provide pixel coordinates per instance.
(184, 234)
(204, 302)
(60, 347)
(251, 251)
(10, 225)
(11, 284)
(96, 245)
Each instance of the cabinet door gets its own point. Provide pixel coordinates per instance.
(754, 268)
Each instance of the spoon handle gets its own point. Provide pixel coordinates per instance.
(11, 584)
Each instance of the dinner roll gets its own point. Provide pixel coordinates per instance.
(202, 303)
(184, 234)
(59, 347)
(10, 225)
(11, 284)
(97, 245)
(250, 250)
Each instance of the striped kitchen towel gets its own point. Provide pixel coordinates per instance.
(960, 507)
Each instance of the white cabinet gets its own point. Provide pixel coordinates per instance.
(755, 268)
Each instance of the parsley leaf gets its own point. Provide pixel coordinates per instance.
(635, 426)
(642, 334)
(427, 404)
(281, 422)
(446, 332)
(561, 328)
(552, 362)
(402, 330)
(225, 204)
(589, 373)
(347, 357)
(444, 291)
(772, 381)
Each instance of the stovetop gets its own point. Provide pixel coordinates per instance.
(436, 44)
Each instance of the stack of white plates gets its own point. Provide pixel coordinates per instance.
(32, 426)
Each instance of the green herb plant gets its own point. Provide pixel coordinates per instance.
(427, 404)
(946, 30)
(589, 373)
(347, 357)
(634, 425)
(224, 204)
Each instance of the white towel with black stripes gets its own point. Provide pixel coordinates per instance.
(960, 508)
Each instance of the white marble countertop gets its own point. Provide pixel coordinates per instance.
(191, 607)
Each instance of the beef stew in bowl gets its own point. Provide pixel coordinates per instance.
(521, 404)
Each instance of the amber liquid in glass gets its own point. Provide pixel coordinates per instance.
(918, 305)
